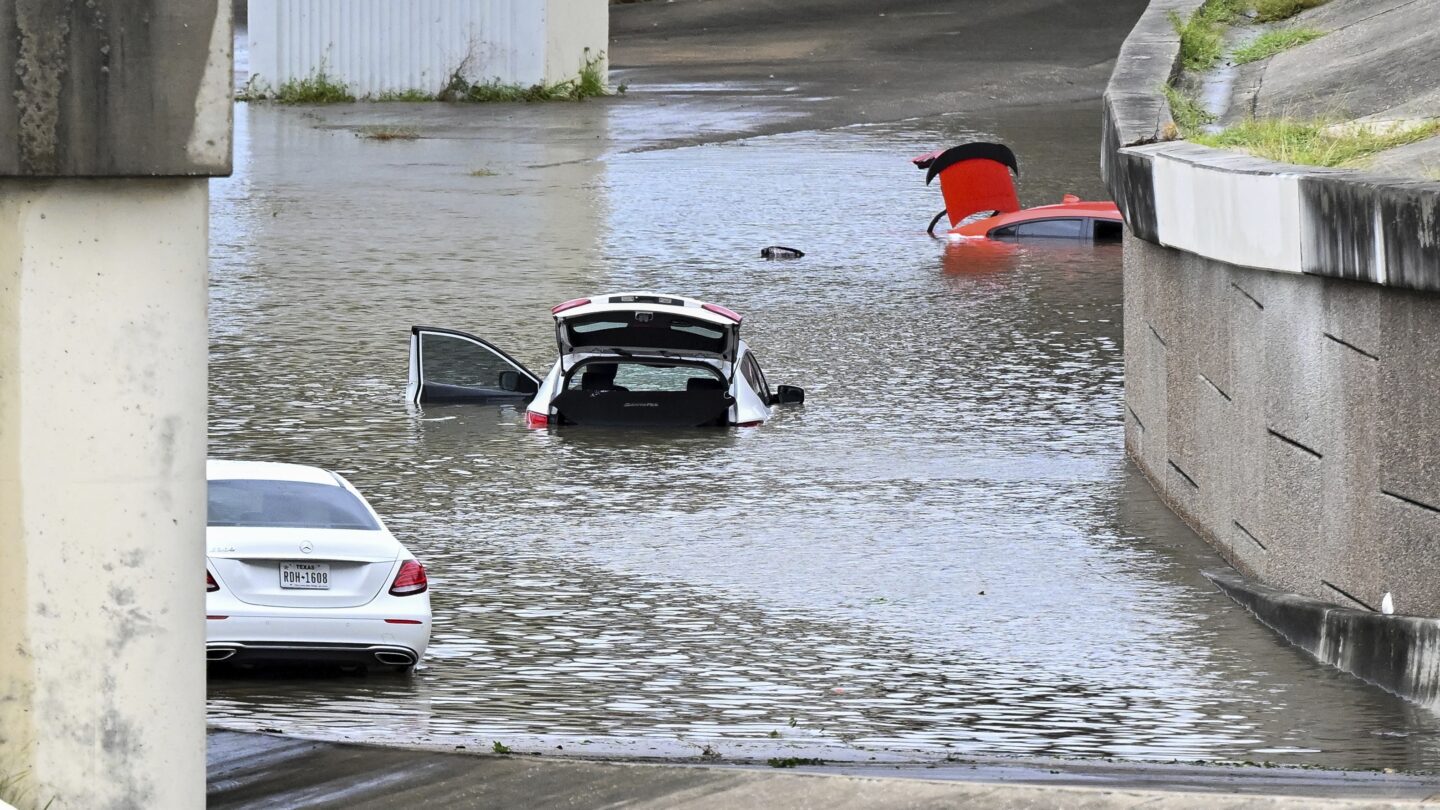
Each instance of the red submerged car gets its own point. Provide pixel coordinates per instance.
(975, 180)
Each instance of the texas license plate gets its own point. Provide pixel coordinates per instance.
(315, 576)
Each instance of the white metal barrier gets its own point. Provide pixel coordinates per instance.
(379, 46)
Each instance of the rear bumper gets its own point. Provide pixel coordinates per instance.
(284, 636)
(269, 651)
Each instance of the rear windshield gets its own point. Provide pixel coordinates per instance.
(286, 504)
(638, 377)
(646, 330)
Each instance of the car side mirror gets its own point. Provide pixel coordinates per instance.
(789, 395)
(509, 381)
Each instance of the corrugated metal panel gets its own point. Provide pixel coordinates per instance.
(394, 45)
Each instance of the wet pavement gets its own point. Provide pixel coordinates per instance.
(944, 553)
(264, 771)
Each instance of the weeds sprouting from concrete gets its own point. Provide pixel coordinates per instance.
(791, 762)
(317, 88)
(1272, 10)
(1272, 42)
(500, 748)
(1189, 116)
(1317, 143)
(405, 95)
(382, 132)
(254, 89)
(1202, 36)
(483, 172)
(322, 88)
(589, 83)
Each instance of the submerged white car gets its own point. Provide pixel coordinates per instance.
(300, 568)
(634, 358)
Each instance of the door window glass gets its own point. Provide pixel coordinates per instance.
(1052, 228)
(452, 360)
(753, 375)
(1044, 229)
(1107, 230)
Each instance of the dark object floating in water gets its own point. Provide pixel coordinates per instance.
(780, 252)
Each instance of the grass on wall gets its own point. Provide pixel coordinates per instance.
(1273, 10)
(589, 83)
(322, 88)
(1315, 143)
(1187, 113)
(1202, 36)
(1272, 42)
(317, 88)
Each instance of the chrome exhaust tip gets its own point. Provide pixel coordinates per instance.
(394, 658)
(219, 653)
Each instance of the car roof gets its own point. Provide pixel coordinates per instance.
(1093, 209)
(226, 470)
(611, 302)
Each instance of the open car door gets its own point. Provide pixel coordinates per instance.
(451, 366)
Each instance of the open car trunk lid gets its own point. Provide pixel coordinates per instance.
(253, 562)
(666, 330)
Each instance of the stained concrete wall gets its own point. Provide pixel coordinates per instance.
(102, 491)
(1282, 365)
(112, 116)
(115, 88)
(1293, 420)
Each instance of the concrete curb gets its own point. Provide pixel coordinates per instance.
(1400, 654)
(1248, 211)
(254, 770)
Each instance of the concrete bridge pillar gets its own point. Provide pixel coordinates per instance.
(114, 116)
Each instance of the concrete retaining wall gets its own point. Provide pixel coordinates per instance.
(1400, 654)
(378, 46)
(1282, 360)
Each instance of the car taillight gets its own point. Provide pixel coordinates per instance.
(536, 420)
(571, 304)
(723, 312)
(210, 583)
(410, 581)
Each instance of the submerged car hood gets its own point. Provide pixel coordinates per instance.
(255, 542)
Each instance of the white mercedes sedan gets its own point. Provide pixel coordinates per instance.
(300, 568)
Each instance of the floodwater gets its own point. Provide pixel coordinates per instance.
(943, 552)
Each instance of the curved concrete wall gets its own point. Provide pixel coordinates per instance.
(1282, 349)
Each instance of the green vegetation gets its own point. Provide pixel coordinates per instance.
(1202, 36)
(317, 88)
(406, 95)
(322, 88)
(590, 83)
(791, 762)
(1272, 42)
(500, 748)
(483, 172)
(1315, 143)
(1188, 114)
(384, 132)
(1272, 10)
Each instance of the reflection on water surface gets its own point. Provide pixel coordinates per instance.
(943, 551)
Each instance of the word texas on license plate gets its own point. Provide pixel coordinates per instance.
(304, 575)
